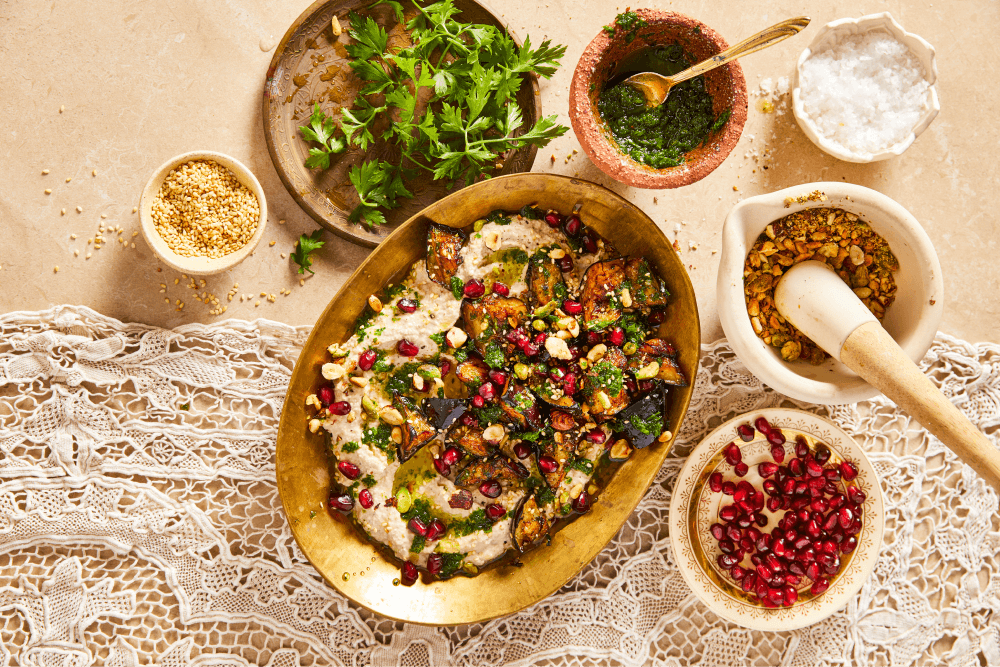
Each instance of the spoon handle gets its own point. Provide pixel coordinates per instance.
(761, 40)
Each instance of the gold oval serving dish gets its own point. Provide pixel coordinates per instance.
(356, 567)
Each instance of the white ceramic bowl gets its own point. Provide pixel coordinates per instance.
(829, 35)
(199, 266)
(912, 320)
(694, 508)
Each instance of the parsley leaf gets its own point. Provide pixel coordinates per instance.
(321, 130)
(305, 247)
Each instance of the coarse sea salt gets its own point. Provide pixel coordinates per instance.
(866, 92)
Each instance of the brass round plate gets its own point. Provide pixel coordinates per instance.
(694, 508)
(310, 65)
(345, 558)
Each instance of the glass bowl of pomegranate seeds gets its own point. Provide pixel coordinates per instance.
(776, 519)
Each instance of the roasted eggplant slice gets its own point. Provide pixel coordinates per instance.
(643, 421)
(646, 288)
(521, 407)
(604, 385)
(530, 524)
(417, 431)
(443, 257)
(442, 412)
(560, 449)
(551, 393)
(497, 467)
(487, 319)
(473, 372)
(544, 277)
(470, 440)
(601, 294)
(663, 353)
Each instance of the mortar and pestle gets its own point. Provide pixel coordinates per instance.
(867, 357)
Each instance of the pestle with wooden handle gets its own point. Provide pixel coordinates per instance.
(819, 304)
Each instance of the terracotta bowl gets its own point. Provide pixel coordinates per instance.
(597, 64)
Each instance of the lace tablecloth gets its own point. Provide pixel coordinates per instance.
(140, 523)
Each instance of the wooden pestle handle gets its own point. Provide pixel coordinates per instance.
(872, 353)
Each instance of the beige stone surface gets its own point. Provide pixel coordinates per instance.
(140, 82)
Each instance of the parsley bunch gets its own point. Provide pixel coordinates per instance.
(468, 122)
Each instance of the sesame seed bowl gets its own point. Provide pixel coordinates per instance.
(202, 212)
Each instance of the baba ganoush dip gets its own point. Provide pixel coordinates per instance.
(476, 400)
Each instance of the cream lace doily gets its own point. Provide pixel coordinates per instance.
(140, 523)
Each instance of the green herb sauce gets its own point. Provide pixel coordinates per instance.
(660, 136)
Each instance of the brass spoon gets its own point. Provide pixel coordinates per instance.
(655, 87)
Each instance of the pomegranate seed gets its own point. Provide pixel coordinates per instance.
(596, 436)
(824, 560)
(796, 568)
(547, 464)
(857, 496)
(407, 349)
(837, 501)
(727, 513)
(582, 502)
(616, 336)
(435, 563)
(749, 581)
(732, 453)
(726, 561)
(349, 470)
(778, 453)
(407, 305)
(812, 571)
(767, 469)
(776, 437)
(814, 469)
(791, 595)
(832, 474)
(796, 467)
(417, 525)
(845, 517)
(501, 289)
(764, 572)
(774, 563)
(573, 308)
(741, 469)
(803, 515)
(813, 530)
(770, 487)
(552, 220)
(365, 498)
(367, 360)
(340, 408)
(802, 489)
(762, 425)
(487, 391)
(569, 384)
(788, 486)
(646, 385)
(498, 378)
(756, 559)
(325, 396)
(451, 455)
(469, 420)
(572, 226)
(745, 431)
(495, 511)
(746, 543)
(776, 596)
(727, 547)
(715, 482)
(744, 506)
(409, 574)
(717, 531)
(820, 505)
(801, 448)
(478, 401)
(565, 264)
(490, 488)
(733, 533)
(539, 338)
(822, 454)
(849, 544)
(848, 471)
(522, 450)
(741, 493)
(656, 316)
(342, 502)
(779, 548)
(593, 338)
(828, 547)
(754, 534)
(474, 289)
(737, 573)
(830, 522)
(443, 468)
(773, 503)
(436, 530)
(728, 488)
(744, 520)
